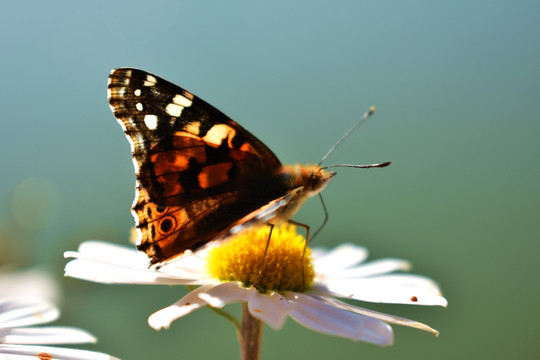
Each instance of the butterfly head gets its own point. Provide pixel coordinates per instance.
(313, 178)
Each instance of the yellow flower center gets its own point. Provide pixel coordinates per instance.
(282, 267)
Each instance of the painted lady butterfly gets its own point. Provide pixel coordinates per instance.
(200, 175)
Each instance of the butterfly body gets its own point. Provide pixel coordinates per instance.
(199, 175)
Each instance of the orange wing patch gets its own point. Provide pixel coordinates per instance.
(240, 154)
(185, 148)
(168, 165)
(193, 127)
(213, 175)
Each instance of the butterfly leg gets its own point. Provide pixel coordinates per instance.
(305, 246)
(267, 245)
(260, 273)
(324, 221)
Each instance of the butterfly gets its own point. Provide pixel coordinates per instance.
(200, 176)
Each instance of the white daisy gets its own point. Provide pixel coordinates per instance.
(286, 284)
(28, 283)
(18, 341)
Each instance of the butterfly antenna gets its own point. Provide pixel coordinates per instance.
(366, 166)
(362, 119)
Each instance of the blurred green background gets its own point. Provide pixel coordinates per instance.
(456, 86)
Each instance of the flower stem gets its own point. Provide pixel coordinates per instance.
(250, 336)
(221, 312)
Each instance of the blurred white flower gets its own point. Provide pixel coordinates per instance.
(20, 341)
(230, 272)
(28, 283)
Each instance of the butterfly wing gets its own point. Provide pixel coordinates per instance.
(198, 172)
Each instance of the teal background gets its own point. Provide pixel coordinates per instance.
(456, 86)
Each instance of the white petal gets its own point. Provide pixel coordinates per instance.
(45, 335)
(327, 319)
(24, 352)
(15, 312)
(189, 264)
(163, 318)
(116, 274)
(225, 293)
(212, 295)
(31, 282)
(377, 315)
(270, 308)
(112, 253)
(391, 289)
(122, 265)
(318, 253)
(341, 257)
(373, 268)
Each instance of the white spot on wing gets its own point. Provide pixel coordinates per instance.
(174, 109)
(182, 101)
(151, 121)
(218, 133)
(137, 92)
(139, 106)
(150, 81)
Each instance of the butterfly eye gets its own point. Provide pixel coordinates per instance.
(312, 178)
